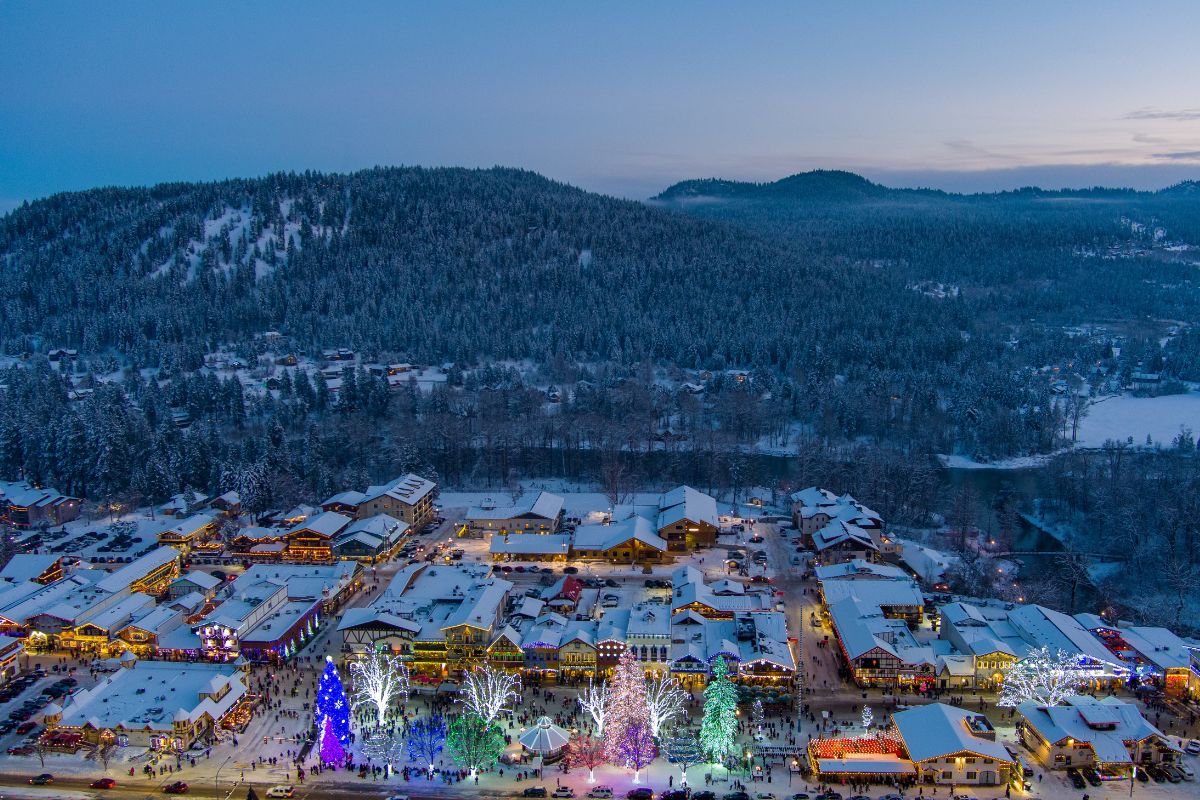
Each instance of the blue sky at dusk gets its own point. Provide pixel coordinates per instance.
(623, 98)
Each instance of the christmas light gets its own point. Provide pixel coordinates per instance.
(379, 679)
(664, 700)
(332, 705)
(593, 700)
(719, 726)
(331, 749)
(425, 739)
(586, 751)
(1044, 677)
(487, 691)
(626, 704)
(473, 742)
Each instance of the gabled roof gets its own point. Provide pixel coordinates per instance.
(27, 566)
(684, 502)
(606, 537)
(543, 505)
(326, 524)
(138, 569)
(408, 489)
(1119, 722)
(938, 730)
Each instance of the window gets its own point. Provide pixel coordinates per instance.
(946, 775)
(971, 776)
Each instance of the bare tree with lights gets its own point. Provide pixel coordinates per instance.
(594, 700)
(665, 700)
(487, 691)
(379, 680)
(1044, 677)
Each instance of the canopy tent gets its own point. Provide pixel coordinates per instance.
(544, 737)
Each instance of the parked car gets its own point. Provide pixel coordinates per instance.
(1090, 776)
(675, 794)
(1192, 747)
(534, 791)
(178, 787)
(281, 791)
(735, 796)
(640, 793)
(1188, 773)
(42, 780)
(564, 792)
(1157, 773)
(1076, 779)
(600, 792)
(103, 783)
(704, 795)
(1174, 775)
(20, 750)
(26, 727)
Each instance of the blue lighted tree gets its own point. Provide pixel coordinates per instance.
(425, 739)
(331, 703)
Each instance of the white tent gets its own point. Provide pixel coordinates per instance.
(544, 737)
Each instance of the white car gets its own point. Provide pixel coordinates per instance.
(563, 791)
(397, 797)
(1193, 747)
(1189, 774)
(764, 796)
(600, 793)
(281, 791)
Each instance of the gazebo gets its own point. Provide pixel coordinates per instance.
(544, 738)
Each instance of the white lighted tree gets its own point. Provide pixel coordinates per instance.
(594, 700)
(487, 691)
(379, 680)
(1044, 677)
(665, 701)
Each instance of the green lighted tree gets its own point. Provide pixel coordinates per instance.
(474, 743)
(719, 726)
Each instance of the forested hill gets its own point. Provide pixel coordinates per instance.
(437, 264)
(1031, 255)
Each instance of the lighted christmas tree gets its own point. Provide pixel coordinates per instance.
(473, 742)
(331, 749)
(635, 749)
(332, 705)
(759, 718)
(626, 705)
(683, 750)
(425, 739)
(719, 727)
(586, 751)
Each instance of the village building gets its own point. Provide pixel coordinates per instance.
(312, 539)
(1155, 656)
(408, 498)
(529, 547)
(631, 541)
(201, 582)
(372, 539)
(441, 618)
(43, 569)
(541, 513)
(151, 573)
(720, 600)
(24, 506)
(687, 519)
(187, 533)
(951, 745)
(1105, 734)
(162, 706)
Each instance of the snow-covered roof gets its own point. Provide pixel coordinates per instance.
(348, 498)
(1104, 724)
(202, 579)
(150, 694)
(530, 544)
(138, 569)
(190, 527)
(880, 593)
(543, 505)
(606, 537)
(860, 569)
(408, 489)
(939, 730)
(327, 524)
(27, 567)
(684, 502)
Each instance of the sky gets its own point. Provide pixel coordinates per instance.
(618, 97)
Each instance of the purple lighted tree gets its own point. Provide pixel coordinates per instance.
(636, 749)
(331, 749)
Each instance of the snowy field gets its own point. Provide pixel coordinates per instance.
(1123, 416)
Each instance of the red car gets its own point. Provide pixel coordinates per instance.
(103, 783)
(26, 727)
(178, 787)
(20, 750)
